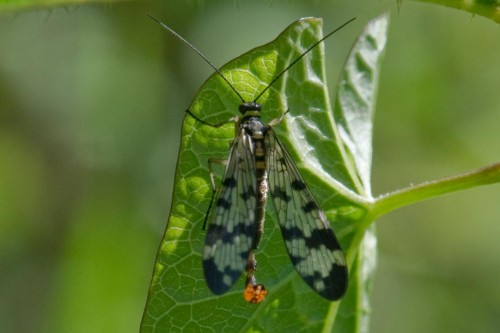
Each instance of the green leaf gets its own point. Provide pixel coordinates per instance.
(179, 299)
(486, 8)
(354, 111)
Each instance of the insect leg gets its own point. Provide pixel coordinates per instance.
(212, 161)
(278, 120)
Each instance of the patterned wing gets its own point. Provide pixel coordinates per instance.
(311, 244)
(231, 227)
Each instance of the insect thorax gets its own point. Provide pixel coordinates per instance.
(254, 127)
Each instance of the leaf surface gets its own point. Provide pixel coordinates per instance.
(322, 147)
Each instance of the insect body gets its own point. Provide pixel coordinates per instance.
(259, 165)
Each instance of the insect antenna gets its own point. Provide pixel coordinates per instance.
(166, 27)
(300, 57)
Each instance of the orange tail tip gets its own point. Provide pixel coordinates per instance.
(254, 293)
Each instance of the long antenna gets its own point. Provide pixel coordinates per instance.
(166, 27)
(300, 57)
(222, 75)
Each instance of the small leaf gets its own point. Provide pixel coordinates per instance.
(356, 97)
(354, 110)
(486, 8)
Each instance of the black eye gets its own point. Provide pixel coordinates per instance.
(250, 106)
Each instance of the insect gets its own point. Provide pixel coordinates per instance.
(259, 165)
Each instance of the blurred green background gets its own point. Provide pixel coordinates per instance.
(91, 103)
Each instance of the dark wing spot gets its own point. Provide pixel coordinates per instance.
(223, 203)
(292, 233)
(289, 234)
(214, 275)
(245, 195)
(248, 194)
(335, 283)
(278, 193)
(322, 237)
(298, 185)
(214, 233)
(229, 182)
(331, 287)
(310, 206)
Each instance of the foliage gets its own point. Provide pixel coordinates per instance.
(335, 171)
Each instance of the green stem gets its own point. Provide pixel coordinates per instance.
(394, 200)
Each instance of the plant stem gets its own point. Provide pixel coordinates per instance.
(389, 202)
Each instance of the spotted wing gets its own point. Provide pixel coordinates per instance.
(231, 220)
(311, 243)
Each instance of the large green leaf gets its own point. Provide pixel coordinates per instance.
(323, 147)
